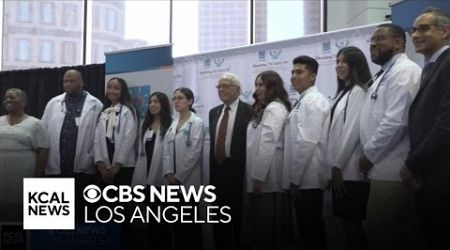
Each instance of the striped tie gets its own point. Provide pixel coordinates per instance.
(222, 134)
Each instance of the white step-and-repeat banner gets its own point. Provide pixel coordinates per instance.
(149, 69)
(201, 72)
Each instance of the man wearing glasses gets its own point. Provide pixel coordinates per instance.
(427, 168)
(228, 132)
(383, 134)
(70, 119)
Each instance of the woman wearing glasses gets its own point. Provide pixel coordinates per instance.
(148, 169)
(182, 161)
(115, 135)
(267, 208)
(24, 145)
(343, 149)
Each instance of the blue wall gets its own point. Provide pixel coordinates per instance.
(404, 13)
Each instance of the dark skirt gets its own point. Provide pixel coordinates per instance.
(354, 204)
(268, 220)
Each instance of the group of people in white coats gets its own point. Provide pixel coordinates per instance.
(366, 145)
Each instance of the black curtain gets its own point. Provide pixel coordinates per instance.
(45, 83)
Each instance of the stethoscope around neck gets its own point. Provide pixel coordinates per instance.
(374, 95)
(188, 141)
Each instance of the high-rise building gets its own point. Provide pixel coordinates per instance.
(223, 24)
(260, 21)
(50, 33)
(312, 17)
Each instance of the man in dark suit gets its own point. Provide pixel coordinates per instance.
(427, 168)
(228, 129)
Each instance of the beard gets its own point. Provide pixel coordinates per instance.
(383, 57)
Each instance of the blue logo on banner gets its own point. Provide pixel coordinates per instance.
(207, 63)
(247, 94)
(342, 44)
(140, 97)
(262, 55)
(275, 53)
(326, 47)
(218, 62)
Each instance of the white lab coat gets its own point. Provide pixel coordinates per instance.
(155, 175)
(125, 135)
(343, 147)
(183, 151)
(53, 119)
(383, 122)
(265, 149)
(303, 141)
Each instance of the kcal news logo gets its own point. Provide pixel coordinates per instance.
(48, 203)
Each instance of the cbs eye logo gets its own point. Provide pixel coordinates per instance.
(92, 193)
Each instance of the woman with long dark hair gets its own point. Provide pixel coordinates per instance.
(148, 169)
(267, 222)
(343, 149)
(115, 135)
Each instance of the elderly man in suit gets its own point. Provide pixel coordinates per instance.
(228, 129)
(427, 168)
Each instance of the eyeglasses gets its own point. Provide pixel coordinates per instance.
(225, 86)
(422, 28)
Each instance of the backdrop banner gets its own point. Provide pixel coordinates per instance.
(146, 70)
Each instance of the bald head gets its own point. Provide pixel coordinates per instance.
(72, 81)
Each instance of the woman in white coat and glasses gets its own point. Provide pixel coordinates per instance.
(182, 161)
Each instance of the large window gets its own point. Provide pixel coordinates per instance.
(126, 24)
(47, 12)
(46, 51)
(23, 50)
(201, 26)
(34, 30)
(45, 33)
(284, 19)
(23, 11)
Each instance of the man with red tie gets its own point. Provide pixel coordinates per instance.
(228, 129)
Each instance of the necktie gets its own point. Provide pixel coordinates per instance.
(222, 134)
(425, 71)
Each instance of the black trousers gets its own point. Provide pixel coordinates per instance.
(229, 185)
(160, 233)
(434, 213)
(308, 208)
(81, 181)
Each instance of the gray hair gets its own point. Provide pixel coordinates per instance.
(232, 78)
(442, 19)
(20, 93)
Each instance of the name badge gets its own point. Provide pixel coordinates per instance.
(77, 121)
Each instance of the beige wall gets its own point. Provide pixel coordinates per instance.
(349, 13)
